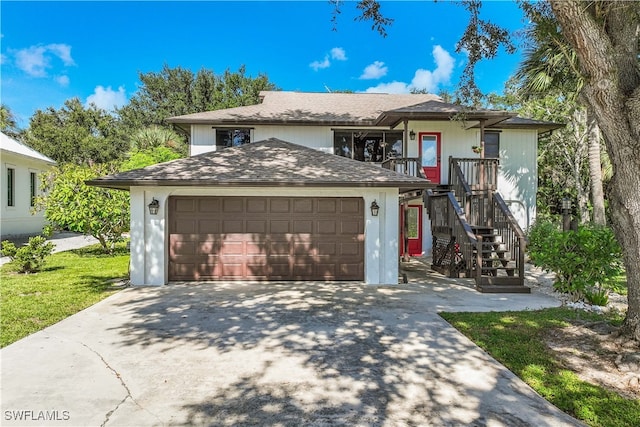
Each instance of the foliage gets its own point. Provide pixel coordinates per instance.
(31, 257)
(516, 339)
(156, 136)
(178, 91)
(586, 262)
(76, 134)
(151, 156)
(71, 281)
(8, 123)
(71, 204)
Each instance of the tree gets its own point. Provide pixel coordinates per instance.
(75, 134)
(550, 64)
(68, 203)
(605, 38)
(178, 91)
(8, 123)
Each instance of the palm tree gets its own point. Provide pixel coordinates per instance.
(551, 65)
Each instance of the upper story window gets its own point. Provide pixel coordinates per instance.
(367, 146)
(232, 137)
(33, 185)
(492, 145)
(11, 187)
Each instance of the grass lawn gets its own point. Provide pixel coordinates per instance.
(69, 282)
(515, 339)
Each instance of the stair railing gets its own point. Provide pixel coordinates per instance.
(476, 203)
(506, 226)
(406, 165)
(448, 218)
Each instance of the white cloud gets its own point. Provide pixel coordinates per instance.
(393, 87)
(318, 65)
(62, 80)
(35, 60)
(374, 71)
(338, 54)
(107, 99)
(428, 80)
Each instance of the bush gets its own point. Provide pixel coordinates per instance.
(586, 262)
(31, 257)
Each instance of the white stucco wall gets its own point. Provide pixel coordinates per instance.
(149, 233)
(517, 176)
(18, 219)
(517, 180)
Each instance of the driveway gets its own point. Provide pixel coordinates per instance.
(279, 354)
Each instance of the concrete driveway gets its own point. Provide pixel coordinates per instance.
(281, 354)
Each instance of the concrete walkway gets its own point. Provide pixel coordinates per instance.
(64, 241)
(285, 354)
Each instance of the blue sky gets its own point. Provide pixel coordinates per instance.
(53, 51)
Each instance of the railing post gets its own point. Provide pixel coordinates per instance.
(479, 261)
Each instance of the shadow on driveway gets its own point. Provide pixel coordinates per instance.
(280, 354)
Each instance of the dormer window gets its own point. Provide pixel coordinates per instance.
(232, 137)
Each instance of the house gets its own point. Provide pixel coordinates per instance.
(21, 169)
(319, 165)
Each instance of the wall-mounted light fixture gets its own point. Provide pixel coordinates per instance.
(154, 206)
(375, 209)
(412, 135)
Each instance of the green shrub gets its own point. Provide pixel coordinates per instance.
(586, 261)
(31, 257)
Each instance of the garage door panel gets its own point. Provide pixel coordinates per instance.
(350, 206)
(260, 238)
(209, 205)
(208, 226)
(185, 206)
(282, 226)
(186, 225)
(232, 226)
(326, 226)
(256, 226)
(327, 206)
(302, 226)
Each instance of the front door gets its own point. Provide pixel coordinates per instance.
(430, 155)
(413, 218)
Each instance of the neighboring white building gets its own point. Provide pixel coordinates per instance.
(19, 184)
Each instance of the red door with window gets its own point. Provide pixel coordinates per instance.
(413, 218)
(430, 155)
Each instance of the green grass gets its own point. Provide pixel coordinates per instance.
(515, 339)
(69, 282)
(619, 284)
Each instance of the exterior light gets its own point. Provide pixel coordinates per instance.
(412, 135)
(375, 209)
(566, 204)
(154, 206)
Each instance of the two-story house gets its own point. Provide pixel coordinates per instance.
(333, 186)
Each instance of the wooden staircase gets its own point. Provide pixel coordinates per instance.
(474, 233)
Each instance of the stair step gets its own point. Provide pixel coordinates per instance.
(504, 289)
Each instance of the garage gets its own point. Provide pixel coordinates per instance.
(266, 238)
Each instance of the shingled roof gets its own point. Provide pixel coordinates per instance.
(337, 109)
(267, 163)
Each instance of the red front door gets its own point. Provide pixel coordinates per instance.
(430, 155)
(413, 218)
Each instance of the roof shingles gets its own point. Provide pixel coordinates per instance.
(272, 162)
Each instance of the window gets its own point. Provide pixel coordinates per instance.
(33, 183)
(232, 137)
(367, 146)
(11, 187)
(492, 145)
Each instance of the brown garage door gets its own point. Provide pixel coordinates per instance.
(266, 238)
